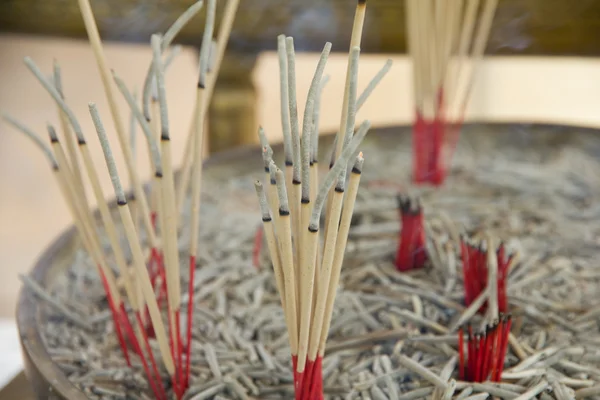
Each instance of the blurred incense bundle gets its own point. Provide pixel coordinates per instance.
(154, 276)
(478, 277)
(411, 250)
(446, 44)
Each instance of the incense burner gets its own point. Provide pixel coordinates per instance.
(495, 184)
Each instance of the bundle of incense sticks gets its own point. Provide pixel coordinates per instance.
(486, 351)
(446, 45)
(291, 207)
(476, 271)
(411, 251)
(158, 277)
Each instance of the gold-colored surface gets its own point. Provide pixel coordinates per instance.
(544, 27)
(232, 113)
(19, 388)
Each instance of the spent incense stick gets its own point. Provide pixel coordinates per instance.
(68, 134)
(411, 252)
(105, 74)
(198, 141)
(133, 144)
(486, 350)
(355, 41)
(111, 231)
(201, 107)
(284, 101)
(155, 266)
(155, 112)
(84, 225)
(169, 217)
(485, 266)
(308, 239)
(445, 48)
(150, 105)
(76, 193)
(133, 239)
(294, 190)
(167, 39)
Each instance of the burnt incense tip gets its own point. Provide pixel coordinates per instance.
(158, 174)
(296, 182)
(121, 202)
(289, 163)
(273, 181)
(362, 3)
(356, 171)
(54, 167)
(267, 170)
(165, 137)
(266, 219)
(305, 200)
(403, 203)
(339, 189)
(52, 134)
(81, 141)
(313, 229)
(201, 85)
(284, 212)
(311, 163)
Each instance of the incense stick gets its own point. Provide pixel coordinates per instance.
(295, 194)
(223, 35)
(134, 243)
(198, 143)
(355, 41)
(167, 39)
(96, 44)
(271, 241)
(284, 102)
(287, 262)
(169, 234)
(68, 134)
(112, 234)
(83, 222)
(375, 81)
(308, 240)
